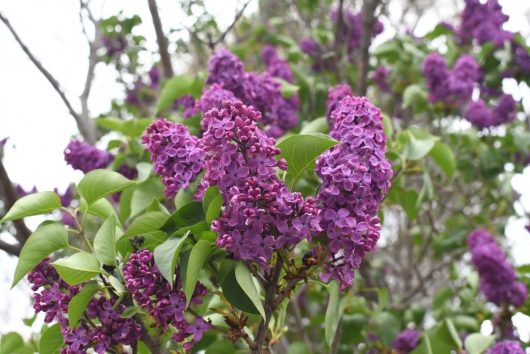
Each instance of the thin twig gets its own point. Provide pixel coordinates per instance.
(368, 20)
(165, 58)
(86, 127)
(231, 26)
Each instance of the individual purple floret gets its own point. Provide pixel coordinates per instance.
(187, 102)
(213, 97)
(260, 213)
(483, 22)
(507, 347)
(381, 75)
(406, 341)
(335, 95)
(355, 179)
(226, 68)
(85, 157)
(175, 154)
(497, 277)
(165, 303)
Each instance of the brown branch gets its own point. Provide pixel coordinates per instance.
(167, 68)
(229, 28)
(368, 21)
(10, 197)
(86, 126)
(339, 44)
(13, 250)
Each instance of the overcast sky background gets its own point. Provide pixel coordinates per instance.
(39, 126)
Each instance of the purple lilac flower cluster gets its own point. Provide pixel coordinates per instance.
(85, 157)
(497, 277)
(276, 66)
(381, 75)
(335, 95)
(507, 347)
(315, 51)
(114, 45)
(521, 58)
(260, 213)
(482, 116)
(213, 97)
(406, 341)
(166, 304)
(448, 86)
(483, 22)
(175, 154)
(106, 327)
(261, 90)
(352, 28)
(187, 102)
(355, 179)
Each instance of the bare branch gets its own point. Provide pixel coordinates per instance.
(86, 126)
(13, 250)
(229, 28)
(368, 20)
(9, 198)
(161, 40)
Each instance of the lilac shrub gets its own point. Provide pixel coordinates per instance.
(497, 277)
(260, 214)
(355, 179)
(85, 157)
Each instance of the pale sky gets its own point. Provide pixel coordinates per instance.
(39, 126)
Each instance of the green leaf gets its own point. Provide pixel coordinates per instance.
(78, 304)
(46, 239)
(117, 285)
(33, 204)
(246, 281)
(444, 157)
(389, 326)
(148, 222)
(102, 208)
(199, 253)
(10, 342)
(130, 127)
(101, 183)
(105, 242)
(77, 268)
(144, 194)
(387, 125)
(212, 203)
(166, 256)
(298, 348)
(233, 292)
(477, 343)
(221, 347)
(174, 88)
(301, 152)
(144, 171)
(185, 218)
(51, 340)
(418, 143)
(332, 312)
(318, 125)
(414, 95)
(288, 89)
(407, 198)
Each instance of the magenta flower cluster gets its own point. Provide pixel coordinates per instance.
(165, 303)
(175, 154)
(101, 327)
(316, 51)
(507, 347)
(482, 116)
(335, 95)
(260, 213)
(261, 90)
(406, 341)
(497, 277)
(355, 179)
(187, 103)
(85, 157)
(483, 21)
(450, 87)
(213, 97)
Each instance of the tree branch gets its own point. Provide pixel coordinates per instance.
(229, 28)
(161, 39)
(86, 126)
(9, 198)
(368, 20)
